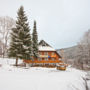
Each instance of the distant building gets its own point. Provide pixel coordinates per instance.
(47, 56)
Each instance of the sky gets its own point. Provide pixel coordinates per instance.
(61, 23)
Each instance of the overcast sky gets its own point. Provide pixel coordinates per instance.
(61, 23)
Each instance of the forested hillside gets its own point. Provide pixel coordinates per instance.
(68, 53)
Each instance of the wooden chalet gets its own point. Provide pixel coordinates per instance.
(47, 56)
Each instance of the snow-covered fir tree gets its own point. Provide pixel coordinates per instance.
(35, 41)
(21, 44)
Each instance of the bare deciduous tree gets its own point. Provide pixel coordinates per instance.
(84, 51)
(6, 24)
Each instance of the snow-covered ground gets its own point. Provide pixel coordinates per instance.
(88, 83)
(13, 78)
(88, 79)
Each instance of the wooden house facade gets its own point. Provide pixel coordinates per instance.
(47, 56)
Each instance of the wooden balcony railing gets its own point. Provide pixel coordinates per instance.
(53, 55)
(45, 56)
(42, 56)
(42, 61)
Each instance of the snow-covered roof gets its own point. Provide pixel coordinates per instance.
(43, 46)
(46, 48)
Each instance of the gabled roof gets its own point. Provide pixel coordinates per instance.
(43, 43)
(43, 46)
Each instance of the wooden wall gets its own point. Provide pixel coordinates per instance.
(51, 54)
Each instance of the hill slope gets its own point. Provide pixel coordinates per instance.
(69, 53)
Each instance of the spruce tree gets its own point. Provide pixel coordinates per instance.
(35, 41)
(21, 44)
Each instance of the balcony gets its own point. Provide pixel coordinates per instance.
(43, 56)
(53, 56)
(47, 56)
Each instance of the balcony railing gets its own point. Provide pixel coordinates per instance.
(45, 56)
(53, 56)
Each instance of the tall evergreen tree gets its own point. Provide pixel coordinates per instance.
(21, 44)
(35, 41)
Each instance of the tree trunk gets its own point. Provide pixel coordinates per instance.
(3, 54)
(16, 64)
(3, 51)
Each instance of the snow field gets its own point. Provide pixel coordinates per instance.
(13, 78)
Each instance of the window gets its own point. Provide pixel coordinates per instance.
(53, 59)
(40, 53)
(45, 53)
(46, 59)
(53, 53)
(39, 59)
